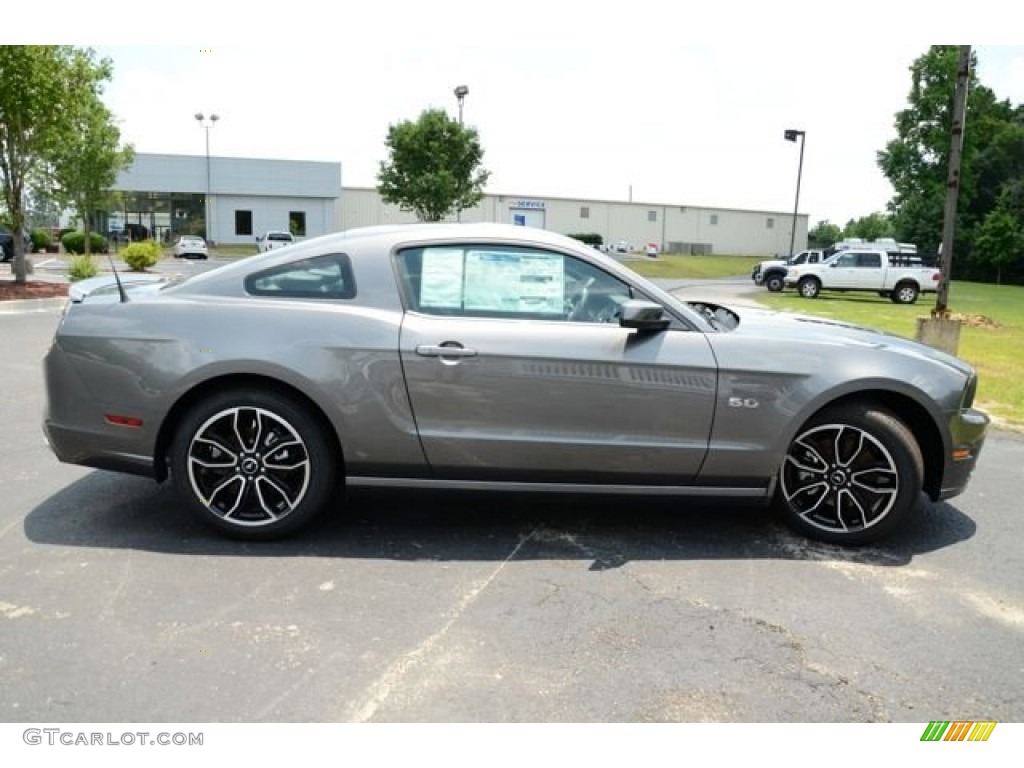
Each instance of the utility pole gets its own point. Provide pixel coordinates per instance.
(953, 179)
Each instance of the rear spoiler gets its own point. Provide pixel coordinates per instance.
(114, 285)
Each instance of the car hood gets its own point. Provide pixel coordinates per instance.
(820, 330)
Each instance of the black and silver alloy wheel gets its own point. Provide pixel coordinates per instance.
(249, 465)
(850, 476)
(253, 464)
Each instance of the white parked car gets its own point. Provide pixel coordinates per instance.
(273, 239)
(190, 246)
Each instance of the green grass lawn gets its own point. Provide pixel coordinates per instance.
(697, 267)
(996, 352)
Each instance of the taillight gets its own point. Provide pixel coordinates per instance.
(122, 421)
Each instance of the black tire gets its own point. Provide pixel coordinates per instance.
(851, 476)
(809, 287)
(905, 293)
(254, 464)
(774, 283)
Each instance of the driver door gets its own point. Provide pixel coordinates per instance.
(518, 370)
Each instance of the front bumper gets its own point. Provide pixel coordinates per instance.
(968, 430)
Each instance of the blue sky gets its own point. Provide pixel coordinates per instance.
(686, 107)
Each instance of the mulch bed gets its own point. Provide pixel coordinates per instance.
(33, 289)
(975, 321)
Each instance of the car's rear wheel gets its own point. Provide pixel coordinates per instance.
(904, 293)
(851, 476)
(774, 283)
(809, 287)
(252, 463)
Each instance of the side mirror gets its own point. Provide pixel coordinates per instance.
(643, 316)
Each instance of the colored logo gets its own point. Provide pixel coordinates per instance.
(959, 730)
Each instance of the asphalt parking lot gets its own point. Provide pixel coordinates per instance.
(116, 606)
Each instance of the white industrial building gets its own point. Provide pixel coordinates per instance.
(164, 196)
(672, 228)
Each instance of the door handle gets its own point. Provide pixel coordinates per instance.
(448, 349)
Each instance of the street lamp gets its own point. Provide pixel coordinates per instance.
(791, 135)
(460, 94)
(201, 119)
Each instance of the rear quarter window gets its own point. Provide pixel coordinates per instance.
(320, 277)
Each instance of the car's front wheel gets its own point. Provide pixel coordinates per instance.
(851, 476)
(255, 464)
(774, 283)
(809, 287)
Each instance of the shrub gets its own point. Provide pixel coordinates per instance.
(140, 256)
(590, 238)
(40, 240)
(82, 267)
(74, 242)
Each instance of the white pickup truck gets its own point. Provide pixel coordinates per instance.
(771, 274)
(899, 276)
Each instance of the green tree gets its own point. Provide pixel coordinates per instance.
(916, 162)
(41, 91)
(870, 227)
(434, 166)
(999, 240)
(824, 234)
(84, 172)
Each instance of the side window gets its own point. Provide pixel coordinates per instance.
(508, 282)
(872, 260)
(320, 277)
(847, 260)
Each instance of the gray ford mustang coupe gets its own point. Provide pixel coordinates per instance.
(486, 356)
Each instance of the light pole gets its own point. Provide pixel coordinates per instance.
(201, 119)
(790, 135)
(460, 94)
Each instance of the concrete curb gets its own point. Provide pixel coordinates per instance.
(21, 306)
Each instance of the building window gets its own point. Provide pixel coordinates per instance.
(770, 223)
(243, 222)
(584, 212)
(652, 215)
(297, 223)
(714, 219)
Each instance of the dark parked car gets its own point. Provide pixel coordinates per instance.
(7, 244)
(484, 356)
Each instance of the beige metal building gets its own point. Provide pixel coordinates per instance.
(672, 228)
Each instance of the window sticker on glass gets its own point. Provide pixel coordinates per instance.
(441, 278)
(515, 282)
